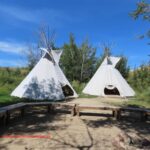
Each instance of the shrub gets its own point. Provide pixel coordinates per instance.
(144, 95)
(78, 86)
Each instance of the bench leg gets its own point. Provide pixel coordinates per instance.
(117, 114)
(7, 118)
(113, 113)
(143, 116)
(4, 120)
(22, 112)
(73, 111)
(77, 111)
(51, 108)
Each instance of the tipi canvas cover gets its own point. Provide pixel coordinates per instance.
(46, 80)
(108, 81)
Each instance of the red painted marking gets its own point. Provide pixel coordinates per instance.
(26, 136)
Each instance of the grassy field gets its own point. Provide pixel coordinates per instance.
(6, 99)
(11, 77)
(134, 102)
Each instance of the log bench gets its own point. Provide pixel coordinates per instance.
(6, 111)
(115, 110)
(52, 105)
(143, 113)
(75, 109)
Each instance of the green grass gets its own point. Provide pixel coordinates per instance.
(86, 96)
(139, 103)
(5, 98)
(130, 103)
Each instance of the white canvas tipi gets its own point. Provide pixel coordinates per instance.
(107, 81)
(46, 80)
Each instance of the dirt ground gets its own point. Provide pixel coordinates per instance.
(98, 101)
(91, 131)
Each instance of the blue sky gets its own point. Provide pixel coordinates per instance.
(101, 21)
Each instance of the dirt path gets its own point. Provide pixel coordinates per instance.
(87, 132)
(98, 101)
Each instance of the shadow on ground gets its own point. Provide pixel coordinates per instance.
(32, 122)
(39, 121)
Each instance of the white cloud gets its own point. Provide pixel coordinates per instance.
(34, 15)
(17, 59)
(17, 13)
(12, 63)
(12, 47)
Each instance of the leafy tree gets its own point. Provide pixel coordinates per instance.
(78, 62)
(123, 67)
(33, 54)
(106, 48)
(69, 59)
(140, 79)
(142, 11)
(88, 60)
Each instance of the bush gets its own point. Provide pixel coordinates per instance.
(144, 95)
(78, 86)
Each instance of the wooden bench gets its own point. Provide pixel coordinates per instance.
(143, 113)
(74, 108)
(11, 108)
(5, 112)
(52, 105)
(115, 110)
(49, 105)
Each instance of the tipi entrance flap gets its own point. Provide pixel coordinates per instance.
(67, 90)
(65, 83)
(110, 87)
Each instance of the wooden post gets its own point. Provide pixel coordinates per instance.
(4, 119)
(73, 110)
(52, 108)
(22, 111)
(7, 117)
(77, 108)
(113, 113)
(117, 113)
(49, 108)
(143, 116)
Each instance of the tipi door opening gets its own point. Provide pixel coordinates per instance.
(111, 90)
(67, 90)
